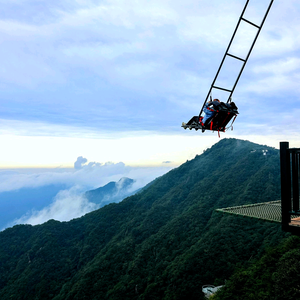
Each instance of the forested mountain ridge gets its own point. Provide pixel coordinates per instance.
(162, 243)
(275, 276)
(111, 192)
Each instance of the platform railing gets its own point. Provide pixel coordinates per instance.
(289, 168)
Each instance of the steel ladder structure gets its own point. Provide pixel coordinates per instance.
(228, 54)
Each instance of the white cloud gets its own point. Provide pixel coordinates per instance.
(71, 203)
(269, 85)
(67, 205)
(279, 66)
(90, 67)
(79, 162)
(89, 176)
(17, 29)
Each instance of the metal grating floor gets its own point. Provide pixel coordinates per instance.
(269, 211)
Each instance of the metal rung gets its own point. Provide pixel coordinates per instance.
(219, 88)
(250, 23)
(241, 18)
(235, 57)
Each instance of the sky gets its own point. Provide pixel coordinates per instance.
(111, 82)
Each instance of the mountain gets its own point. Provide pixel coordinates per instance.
(111, 192)
(275, 276)
(22, 202)
(164, 242)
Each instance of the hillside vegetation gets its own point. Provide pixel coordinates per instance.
(276, 276)
(111, 192)
(163, 243)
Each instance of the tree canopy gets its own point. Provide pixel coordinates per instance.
(165, 242)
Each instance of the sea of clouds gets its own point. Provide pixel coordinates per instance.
(71, 203)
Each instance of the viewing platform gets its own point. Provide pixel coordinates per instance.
(267, 211)
(287, 210)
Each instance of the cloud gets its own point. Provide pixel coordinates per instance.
(279, 66)
(123, 61)
(79, 162)
(87, 68)
(88, 176)
(67, 205)
(71, 203)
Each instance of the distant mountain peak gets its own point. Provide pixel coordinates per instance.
(125, 182)
(111, 192)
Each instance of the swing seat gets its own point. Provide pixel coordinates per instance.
(218, 122)
(193, 123)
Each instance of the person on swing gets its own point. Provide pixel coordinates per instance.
(210, 111)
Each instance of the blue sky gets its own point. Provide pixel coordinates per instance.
(112, 81)
(108, 74)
